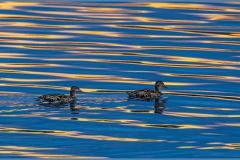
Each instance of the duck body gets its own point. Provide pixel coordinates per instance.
(60, 98)
(144, 94)
(148, 94)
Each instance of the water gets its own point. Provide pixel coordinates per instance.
(107, 49)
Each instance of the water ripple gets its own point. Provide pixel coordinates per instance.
(108, 49)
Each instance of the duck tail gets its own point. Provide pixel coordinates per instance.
(131, 94)
(37, 98)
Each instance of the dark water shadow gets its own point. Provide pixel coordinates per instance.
(73, 108)
(71, 105)
(159, 104)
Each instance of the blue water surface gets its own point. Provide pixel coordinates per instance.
(107, 49)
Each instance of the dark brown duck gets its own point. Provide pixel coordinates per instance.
(60, 98)
(148, 93)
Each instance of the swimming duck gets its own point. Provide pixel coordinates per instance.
(60, 98)
(148, 93)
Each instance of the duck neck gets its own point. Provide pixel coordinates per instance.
(72, 94)
(157, 88)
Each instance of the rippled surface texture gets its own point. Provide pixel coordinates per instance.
(107, 49)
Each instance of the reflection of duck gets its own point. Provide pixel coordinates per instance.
(159, 105)
(148, 93)
(73, 109)
(60, 98)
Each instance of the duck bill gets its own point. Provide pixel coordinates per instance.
(79, 90)
(165, 86)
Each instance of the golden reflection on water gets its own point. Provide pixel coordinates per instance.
(168, 27)
(217, 145)
(124, 34)
(184, 29)
(172, 58)
(72, 76)
(36, 25)
(101, 78)
(42, 155)
(31, 65)
(221, 97)
(157, 20)
(111, 34)
(28, 35)
(26, 80)
(45, 86)
(190, 114)
(212, 108)
(74, 134)
(24, 148)
(89, 8)
(55, 87)
(9, 93)
(24, 151)
(12, 16)
(174, 5)
(15, 5)
(169, 126)
(146, 63)
(109, 10)
(231, 124)
(203, 60)
(16, 110)
(95, 120)
(217, 34)
(51, 47)
(221, 16)
(184, 6)
(96, 15)
(118, 16)
(187, 147)
(11, 55)
(220, 42)
(215, 77)
(220, 145)
(67, 88)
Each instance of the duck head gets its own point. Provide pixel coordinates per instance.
(159, 84)
(73, 90)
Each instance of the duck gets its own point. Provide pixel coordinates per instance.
(60, 98)
(148, 93)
